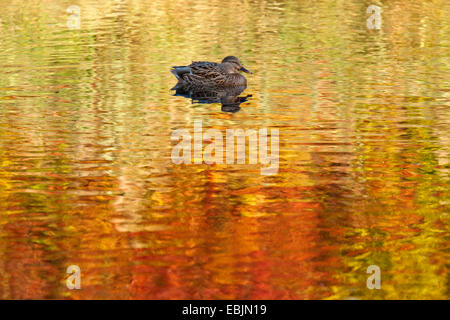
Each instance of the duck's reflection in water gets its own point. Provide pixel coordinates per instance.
(229, 97)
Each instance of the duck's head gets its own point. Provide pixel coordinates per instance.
(234, 65)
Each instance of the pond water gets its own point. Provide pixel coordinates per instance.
(87, 178)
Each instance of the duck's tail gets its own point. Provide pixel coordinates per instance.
(179, 71)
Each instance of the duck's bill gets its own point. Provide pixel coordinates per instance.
(245, 70)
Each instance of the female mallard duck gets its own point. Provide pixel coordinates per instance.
(203, 74)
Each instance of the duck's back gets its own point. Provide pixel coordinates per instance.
(207, 70)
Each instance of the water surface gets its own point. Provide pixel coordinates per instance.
(86, 177)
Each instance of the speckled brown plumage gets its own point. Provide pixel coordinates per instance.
(203, 74)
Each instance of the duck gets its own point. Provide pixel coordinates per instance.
(201, 75)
